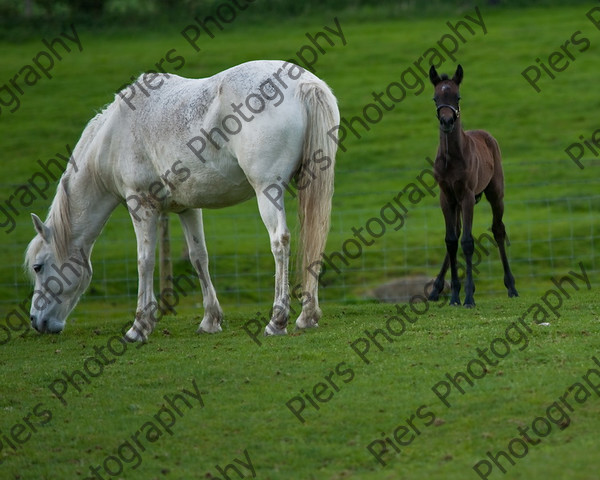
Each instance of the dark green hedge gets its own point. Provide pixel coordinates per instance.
(33, 15)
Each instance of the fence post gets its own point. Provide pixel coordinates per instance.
(165, 264)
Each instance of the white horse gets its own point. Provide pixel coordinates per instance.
(172, 144)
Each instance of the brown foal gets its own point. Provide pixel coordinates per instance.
(467, 165)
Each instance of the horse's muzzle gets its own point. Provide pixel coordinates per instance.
(45, 325)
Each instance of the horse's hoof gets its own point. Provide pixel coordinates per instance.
(513, 293)
(469, 305)
(309, 318)
(203, 329)
(211, 323)
(271, 329)
(302, 326)
(433, 297)
(134, 335)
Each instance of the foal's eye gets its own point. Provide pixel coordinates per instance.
(37, 268)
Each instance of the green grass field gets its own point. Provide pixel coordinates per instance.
(111, 418)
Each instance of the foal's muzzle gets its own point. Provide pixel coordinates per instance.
(447, 123)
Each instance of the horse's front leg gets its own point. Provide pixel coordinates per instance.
(145, 224)
(468, 246)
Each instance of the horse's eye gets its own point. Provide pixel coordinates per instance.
(37, 268)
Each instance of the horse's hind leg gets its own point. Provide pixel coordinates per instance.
(499, 231)
(191, 220)
(273, 216)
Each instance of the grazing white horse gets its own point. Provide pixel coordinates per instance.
(172, 144)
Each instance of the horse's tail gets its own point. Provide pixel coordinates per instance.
(316, 177)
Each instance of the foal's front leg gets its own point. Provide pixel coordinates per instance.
(451, 216)
(145, 224)
(452, 219)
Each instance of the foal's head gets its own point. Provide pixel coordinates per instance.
(446, 97)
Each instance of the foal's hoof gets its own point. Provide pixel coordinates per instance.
(433, 297)
(272, 329)
(469, 301)
(513, 293)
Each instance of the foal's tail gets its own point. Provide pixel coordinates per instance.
(316, 175)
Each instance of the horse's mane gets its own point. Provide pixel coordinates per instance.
(59, 215)
(444, 76)
(59, 222)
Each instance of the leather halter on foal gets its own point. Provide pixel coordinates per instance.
(455, 110)
(455, 115)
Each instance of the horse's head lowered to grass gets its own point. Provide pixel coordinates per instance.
(60, 277)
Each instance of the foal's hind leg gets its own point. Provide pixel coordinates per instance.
(499, 231)
(439, 283)
(191, 220)
(273, 217)
(468, 246)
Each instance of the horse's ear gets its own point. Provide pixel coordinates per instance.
(433, 76)
(458, 76)
(41, 228)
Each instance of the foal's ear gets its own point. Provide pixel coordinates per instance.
(458, 76)
(433, 76)
(41, 228)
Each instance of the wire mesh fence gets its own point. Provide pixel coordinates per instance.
(547, 236)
